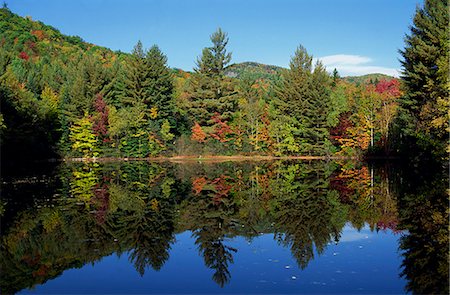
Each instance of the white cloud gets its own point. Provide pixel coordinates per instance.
(354, 65)
(345, 59)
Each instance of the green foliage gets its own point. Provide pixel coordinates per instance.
(145, 109)
(133, 90)
(253, 71)
(285, 133)
(210, 92)
(84, 142)
(214, 59)
(366, 79)
(425, 63)
(160, 84)
(338, 105)
(165, 131)
(49, 82)
(304, 94)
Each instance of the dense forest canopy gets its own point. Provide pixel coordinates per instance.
(63, 96)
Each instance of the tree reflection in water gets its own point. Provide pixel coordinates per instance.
(88, 211)
(424, 211)
(212, 211)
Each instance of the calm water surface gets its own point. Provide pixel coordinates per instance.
(278, 227)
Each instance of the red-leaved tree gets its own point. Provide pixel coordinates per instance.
(23, 55)
(197, 133)
(389, 87)
(221, 129)
(100, 126)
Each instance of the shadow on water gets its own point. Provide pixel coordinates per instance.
(76, 214)
(423, 203)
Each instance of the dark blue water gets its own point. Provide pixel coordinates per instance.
(363, 261)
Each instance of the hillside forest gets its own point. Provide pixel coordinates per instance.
(63, 97)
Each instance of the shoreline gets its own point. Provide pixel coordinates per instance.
(181, 159)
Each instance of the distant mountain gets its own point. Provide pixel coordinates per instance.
(367, 79)
(254, 70)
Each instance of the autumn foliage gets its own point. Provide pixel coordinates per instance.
(198, 185)
(217, 188)
(221, 129)
(389, 88)
(197, 133)
(23, 55)
(100, 125)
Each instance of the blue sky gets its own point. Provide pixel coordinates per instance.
(355, 36)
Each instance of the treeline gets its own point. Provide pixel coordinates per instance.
(82, 100)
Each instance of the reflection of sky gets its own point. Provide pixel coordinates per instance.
(351, 234)
(355, 265)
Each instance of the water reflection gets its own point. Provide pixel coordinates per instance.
(424, 211)
(89, 211)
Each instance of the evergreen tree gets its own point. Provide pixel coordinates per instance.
(113, 90)
(159, 84)
(210, 92)
(132, 88)
(425, 74)
(219, 53)
(144, 99)
(321, 83)
(303, 97)
(86, 78)
(336, 77)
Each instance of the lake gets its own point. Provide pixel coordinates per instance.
(246, 227)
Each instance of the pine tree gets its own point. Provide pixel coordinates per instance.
(145, 89)
(220, 56)
(210, 92)
(132, 88)
(303, 97)
(336, 77)
(321, 102)
(159, 84)
(425, 74)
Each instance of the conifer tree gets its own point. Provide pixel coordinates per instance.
(221, 58)
(210, 91)
(425, 74)
(146, 93)
(321, 102)
(303, 97)
(132, 91)
(159, 84)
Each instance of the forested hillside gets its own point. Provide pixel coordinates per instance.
(63, 96)
(253, 70)
(367, 79)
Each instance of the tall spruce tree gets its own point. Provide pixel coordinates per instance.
(132, 87)
(321, 83)
(210, 91)
(426, 77)
(159, 84)
(221, 58)
(303, 95)
(145, 96)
